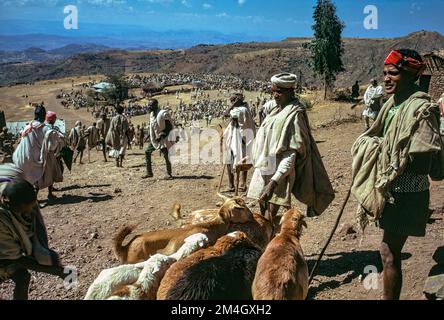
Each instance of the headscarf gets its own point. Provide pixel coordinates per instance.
(51, 116)
(407, 63)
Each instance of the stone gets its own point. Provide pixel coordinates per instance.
(433, 286)
(118, 190)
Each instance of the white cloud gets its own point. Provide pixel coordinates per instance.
(30, 3)
(241, 2)
(207, 6)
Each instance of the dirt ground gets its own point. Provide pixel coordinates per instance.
(96, 199)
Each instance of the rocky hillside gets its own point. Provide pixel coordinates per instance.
(362, 60)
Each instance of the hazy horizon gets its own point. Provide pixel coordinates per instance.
(252, 18)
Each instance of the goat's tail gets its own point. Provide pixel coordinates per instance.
(120, 251)
(175, 212)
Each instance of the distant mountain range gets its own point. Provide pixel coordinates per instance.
(39, 55)
(255, 60)
(18, 35)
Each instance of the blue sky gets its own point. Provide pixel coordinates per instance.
(275, 19)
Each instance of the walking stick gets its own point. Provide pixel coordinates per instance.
(89, 152)
(221, 177)
(312, 273)
(237, 182)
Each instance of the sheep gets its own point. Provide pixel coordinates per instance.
(224, 271)
(282, 272)
(140, 281)
(166, 242)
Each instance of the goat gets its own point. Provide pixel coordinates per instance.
(259, 230)
(167, 242)
(224, 271)
(282, 272)
(195, 217)
(140, 281)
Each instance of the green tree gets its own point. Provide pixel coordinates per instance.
(326, 47)
(119, 90)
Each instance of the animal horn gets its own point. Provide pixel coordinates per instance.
(223, 197)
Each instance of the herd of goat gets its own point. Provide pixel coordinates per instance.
(217, 254)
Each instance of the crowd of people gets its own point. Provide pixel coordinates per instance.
(392, 163)
(74, 98)
(203, 81)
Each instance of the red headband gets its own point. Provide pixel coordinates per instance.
(51, 116)
(407, 63)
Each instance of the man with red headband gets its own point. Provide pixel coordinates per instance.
(52, 162)
(393, 160)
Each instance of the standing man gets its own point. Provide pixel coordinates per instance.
(238, 137)
(103, 126)
(77, 141)
(93, 138)
(161, 124)
(372, 100)
(355, 90)
(131, 134)
(393, 160)
(286, 158)
(27, 156)
(52, 163)
(140, 136)
(117, 137)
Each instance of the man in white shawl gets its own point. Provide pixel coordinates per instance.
(286, 158)
(372, 100)
(117, 137)
(52, 145)
(266, 110)
(161, 125)
(27, 156)
(238, 138)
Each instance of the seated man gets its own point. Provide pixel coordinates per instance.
(23, 237)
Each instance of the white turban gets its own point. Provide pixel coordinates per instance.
(284, 80)
(235, 113)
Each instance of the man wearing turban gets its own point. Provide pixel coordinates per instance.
(285, 156)
(238, 138)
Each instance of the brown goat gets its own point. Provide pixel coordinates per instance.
(224, 271)
(259, 230)
(282, 272)
(167, 242)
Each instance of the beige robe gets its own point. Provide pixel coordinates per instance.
(378, 160)
(281, 134)
(52, 164)
(117, 137)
